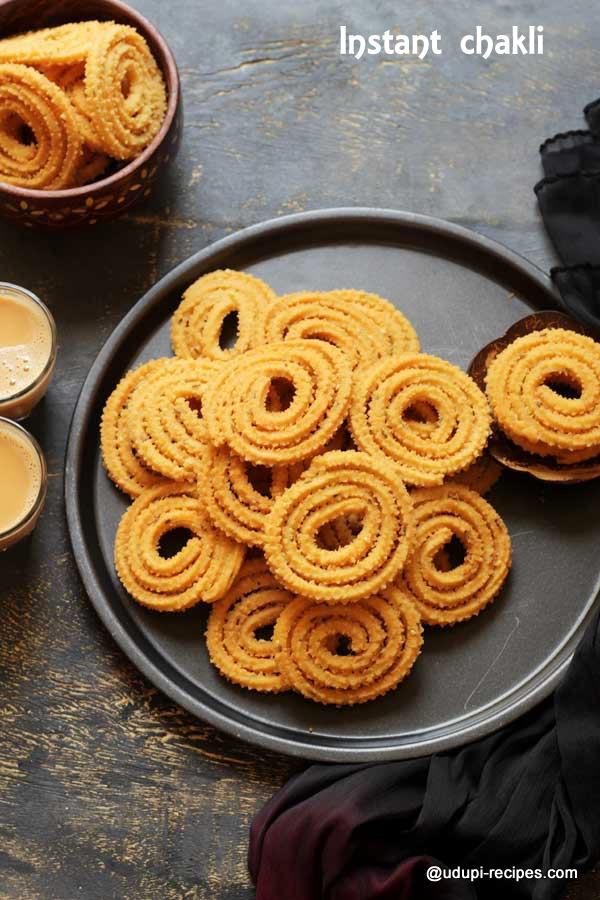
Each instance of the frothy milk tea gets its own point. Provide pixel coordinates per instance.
(21, 483)
(26, 351)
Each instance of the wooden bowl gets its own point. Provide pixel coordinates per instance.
(120, 191)
(500, 447)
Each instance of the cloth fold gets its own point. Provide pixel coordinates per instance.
(527, 797)
(569, 201)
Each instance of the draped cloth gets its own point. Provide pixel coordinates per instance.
(527, 797)
(569, 200)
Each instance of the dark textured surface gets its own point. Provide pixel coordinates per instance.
(106, 788)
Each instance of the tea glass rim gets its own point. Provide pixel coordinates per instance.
(35, 508)
(7, 287)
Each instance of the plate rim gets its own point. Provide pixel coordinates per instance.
(324, 751)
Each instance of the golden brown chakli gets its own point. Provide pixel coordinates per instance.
(340, 485)
(71, 99)
(364, 326)
(383, 631)
(544, 389)
(447, 590)
(165, 421)
(121, 462)
(240, 634)
(202, 570)
(422, 413)
(242, 413)
(239, 495)
(31, 105)
(254, 446)
(197, 325)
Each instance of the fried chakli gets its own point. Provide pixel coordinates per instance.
(240, 633)
(125, 94)
(120, 460)
(344, 655)
(40, 147)
(202, 570)
(330, 316)
(400, 335)
(451, 518)
(423, 413)
(198, 323)
(480, 476)
(544, 390)
(72, 81)
(341, 440)
(340, 485)
(88, 85)
(259, 449)
(239, 411)
(64, 45)
(165, 421)
(239, 495)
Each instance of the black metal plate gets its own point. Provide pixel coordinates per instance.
(460, 290)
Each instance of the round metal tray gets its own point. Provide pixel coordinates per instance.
(460, 290)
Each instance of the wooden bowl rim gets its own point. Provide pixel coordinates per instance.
(173, 88)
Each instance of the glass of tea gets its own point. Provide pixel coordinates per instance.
(27, 350)
(23, 483)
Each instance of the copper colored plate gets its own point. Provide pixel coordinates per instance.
(500, 446)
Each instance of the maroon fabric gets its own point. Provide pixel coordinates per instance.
(527, 796)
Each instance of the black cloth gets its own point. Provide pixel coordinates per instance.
(569, 200)
(527, 796)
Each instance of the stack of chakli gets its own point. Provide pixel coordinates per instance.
(73, 99)
(326, 479)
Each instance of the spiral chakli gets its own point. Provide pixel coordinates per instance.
(341, 440)
(64, 45)
(480, 476)
(239, 495)
(544, 389)
(330, 316)
(400, 335)
(240, 633)
(239, 411)
(120, 460)
(40, 148)
(202, 570)
(124, 91)
(108, 95)
(71, 79)
(447, 590)
(355, 487)
(165, 421)
(198, 324)
(421, 412)
(343, 655)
